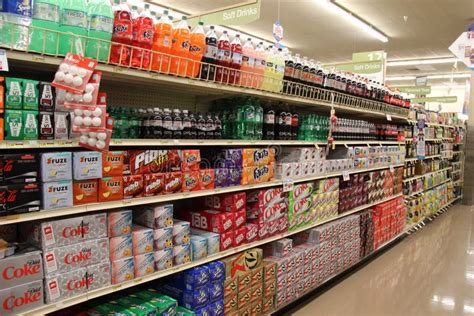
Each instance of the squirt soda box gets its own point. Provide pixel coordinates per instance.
(85, 192)
(110, 189)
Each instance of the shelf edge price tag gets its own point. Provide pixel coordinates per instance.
(288, 185)
(3, 60)
(345, 175)
(392, 169)
(389, 117)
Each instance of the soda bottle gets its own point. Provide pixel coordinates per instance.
(236, 60)
(287, 126)
(260, 65)
(297, 75)
(223, 58)
(269, 69)
(74, 22)
(156, 124)
(101, 24)
(279, 70)
(177, 124)
(269, 124)
(248, 114)
(180, 48)
(162, 42)
(122, 34)
(258, 120)
(193, 127)
(201, 127)
(217, 127)
(248, 63)
(167, 124)
(46, 17)
(186, 125)
(280, 128)
(294, 126)
(209, 59)
(142, 38)
(288, 75)
(209, 130)
(125, 118)
(196, 50)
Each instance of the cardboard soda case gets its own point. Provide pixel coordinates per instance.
(119, 223)
(70, 284)
(230, 202)
(87, 165)
(85, 192)
(154, 161)
(154, 184)
(154, 216)
(18, 168)
(57, 194)
(132, 186)
(142, 238)
(19, 198)
(21, 298)
(23, 267)
(110, 189)
(113, 163)
(71, 257)
(57, 233)
(211, 220)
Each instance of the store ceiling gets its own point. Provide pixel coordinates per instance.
(416, 28)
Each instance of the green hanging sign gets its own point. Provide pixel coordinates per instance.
(368, 56)
(452, 99)
(243, 13)
(418, 90)
(362, 68)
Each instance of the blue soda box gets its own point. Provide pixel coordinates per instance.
(163, 259)
(20, 7)
(217, 308)
(188, 299)
(198, 247)
(216, 290)
(213, 240)
(196, 277)
(163, 238)
(216, 270)
(203, 311)
(181, 254)
(181, 232)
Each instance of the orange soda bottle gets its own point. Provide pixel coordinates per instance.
(197, 47)
(180, 48)
(162, 41)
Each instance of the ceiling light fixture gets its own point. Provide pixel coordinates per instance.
(446, 76)
(428, 61)
(346, 14)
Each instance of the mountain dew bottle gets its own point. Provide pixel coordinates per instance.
(101, 24)
(73, 20)
(45, 16)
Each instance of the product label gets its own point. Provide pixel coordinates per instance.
(101, 23)
(211, 51)
(223, 55)
(236, 58)
(45, 11)
(74, 18)
(248, 61)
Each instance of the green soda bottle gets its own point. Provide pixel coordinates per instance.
(101, 24)
(45, 16)
(248, 111)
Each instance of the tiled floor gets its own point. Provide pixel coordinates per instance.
(428, 273)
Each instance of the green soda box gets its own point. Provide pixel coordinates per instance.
(30, 124)
(109, 309)
(30, 95)
(165, 304)
(147, 308)
(14, 93)
(181, 311)
(14, 125)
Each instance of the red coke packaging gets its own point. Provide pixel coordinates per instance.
(231, 202)
(211, 220)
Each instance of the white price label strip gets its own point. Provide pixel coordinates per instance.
(345, 175)
(288, 185)
(389, 117)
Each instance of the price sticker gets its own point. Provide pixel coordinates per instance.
(288, 185)
(389, 117)
(3, 60)
(14, 144)
(117, 142)
(345, 175)
(392, 169)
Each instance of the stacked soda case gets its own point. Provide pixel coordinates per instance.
(85, 177)
(300, 162)
(436, 198)
(200, 289)
(75, 254)
(311, 257)
(250, 284)
(21, 275)
(366, 233)
(389, 220)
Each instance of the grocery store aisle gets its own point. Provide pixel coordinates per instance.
(428, 273)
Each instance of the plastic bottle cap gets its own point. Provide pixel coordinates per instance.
(201, 23)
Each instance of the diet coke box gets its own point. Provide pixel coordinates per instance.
(76, 282)
(21, 298)
(51, 234)
(67, 258)
(23, 267)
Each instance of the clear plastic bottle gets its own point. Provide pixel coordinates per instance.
(258, 119)
(177, 124)
(235, 61)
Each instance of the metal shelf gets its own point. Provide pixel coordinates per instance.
(119, 74)
(425, 175)
(27, 144)
(49, 308)
(44, 214)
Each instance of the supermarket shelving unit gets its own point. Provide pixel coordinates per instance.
(195, 92)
